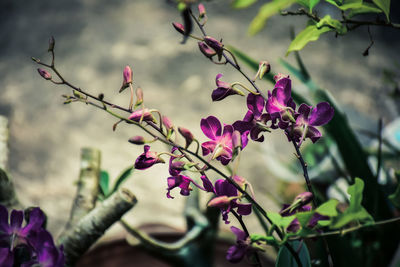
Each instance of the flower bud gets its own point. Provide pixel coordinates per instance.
(263, 68)
(219, 202)
(44, 73)
(236, 139)
(179, 27)
(214, 44)
(187, 135)
(202, 10)
(52, 42)
(144, 114)
(137, 140)
(304, 198)
(127, 75)
(139, 96)
(167, 123)
(206, 50)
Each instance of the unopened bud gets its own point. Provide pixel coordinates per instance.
(127, 75)
(44, 73)
(52, 42)
(139, 96)
(179, 27)
(219, 202)
(263, 68)
(236, 139)
(305, 198)
(137, 140)
(187, 135)
(202, 10)
(239, 180)
(142, 114)
(167, 123)
(206, 50)
(214, 44)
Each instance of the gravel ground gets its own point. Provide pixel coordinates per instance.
(96, 39)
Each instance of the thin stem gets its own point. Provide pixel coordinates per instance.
(379, 156)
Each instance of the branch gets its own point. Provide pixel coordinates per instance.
(87, 187)
(93, 225)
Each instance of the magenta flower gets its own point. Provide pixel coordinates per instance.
(225, 188)
(254, 122)
(310, 117)
(220, 145)
(242, 247)
(280, 104)
(29, 239)
(223, 90)
(147, 159)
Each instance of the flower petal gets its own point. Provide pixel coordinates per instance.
(221, 93)
(313, 134)
(208, 147)
(16, 218)
(211, 127)
(255, 103)
(207, 184)
(284, 90)
(321, 114)
(244, 208)
(240, 235)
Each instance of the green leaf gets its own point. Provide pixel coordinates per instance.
(279, 220)
(309, 34)
(104, 180)
(395, 197)
(384, 5)
(304, 217)
(285, 258)
(328, 208)
(268, 239)
(333, 23)
(310, 4)
(242, 3)
(355, 211)
(363, 8)
(122, 177)
(265, 12)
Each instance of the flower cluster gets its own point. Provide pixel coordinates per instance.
(29, 245)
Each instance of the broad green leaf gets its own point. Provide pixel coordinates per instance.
(309, 34)
(355, 211)
(266, 11)
(279, 220)
(122, 177)
(304, 217)
(333, 23)
(242, 3)
(363, 8)
(285, 258)
(104, 181)
(395, 197)
(328, 208)
(384, 5)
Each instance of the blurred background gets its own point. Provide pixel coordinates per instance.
(95, 39)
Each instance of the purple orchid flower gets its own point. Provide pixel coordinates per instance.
(237, 252)
(280, 104)
(223, 90)
(310, 117)
(220, 145)
(225, 188)
(254, 119)
(32, 237)
(147, 159)
(46, 252)
(179, 180)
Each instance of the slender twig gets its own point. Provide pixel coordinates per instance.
(342, 232)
